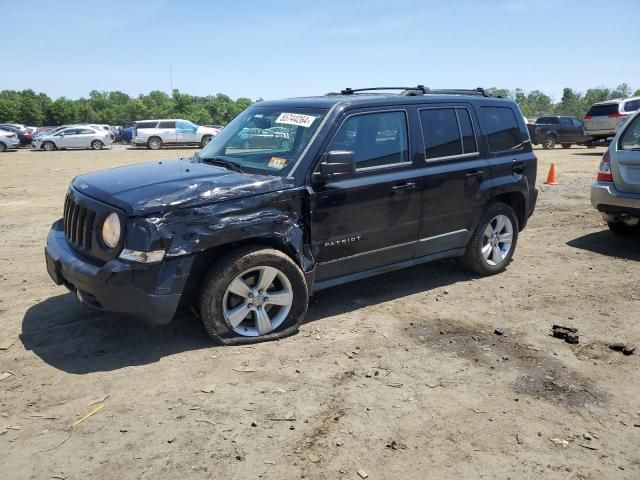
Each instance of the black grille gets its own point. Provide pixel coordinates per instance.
(78, 224)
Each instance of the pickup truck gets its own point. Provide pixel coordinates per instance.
(549, 131)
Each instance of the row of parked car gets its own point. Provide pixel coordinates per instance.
(601, 122)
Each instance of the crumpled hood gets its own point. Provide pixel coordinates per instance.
(151, 187)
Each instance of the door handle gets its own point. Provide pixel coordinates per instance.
(518, 167)
(474, 173)
(405, 187)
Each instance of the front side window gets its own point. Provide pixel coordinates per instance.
(566, 122)
(376, 139)
(578, 123)
(266, 140)
(67, 132)
(631, 138)
(185, 126)
(503, 131)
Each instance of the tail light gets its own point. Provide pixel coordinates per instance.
(604, 172)
(587, 117)
(615, 115)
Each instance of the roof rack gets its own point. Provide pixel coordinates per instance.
(419, 90)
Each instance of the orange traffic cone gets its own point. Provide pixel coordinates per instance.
(551, 178)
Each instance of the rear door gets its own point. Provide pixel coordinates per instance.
(370, 219)
(84, 137)
(451, 177)
(625, 164)
(167, 131)
(566, 130)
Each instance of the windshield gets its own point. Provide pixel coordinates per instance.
(265, 139)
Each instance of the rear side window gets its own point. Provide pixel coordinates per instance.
(377, 139)
(632, 105)
(631, 138)
(169, 124)
(441, 132)
(146, 124)
(447, 132)
(86, 131)
(603, 110)
(503, 131)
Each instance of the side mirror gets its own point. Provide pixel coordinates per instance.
(338, 162)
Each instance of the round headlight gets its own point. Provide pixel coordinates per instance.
(111, 230)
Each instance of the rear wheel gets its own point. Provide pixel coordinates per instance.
(492, 245)
(549, 142)
(621, 228)
(97, 145)
(3, 147)
(566, 145)
(251, 295)
(49, 146)
(154, 143)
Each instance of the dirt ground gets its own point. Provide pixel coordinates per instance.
(400, 376)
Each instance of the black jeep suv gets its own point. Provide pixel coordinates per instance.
(365, 183)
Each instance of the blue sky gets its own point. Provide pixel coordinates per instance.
(280, 48)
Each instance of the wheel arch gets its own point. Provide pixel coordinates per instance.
(515, 200)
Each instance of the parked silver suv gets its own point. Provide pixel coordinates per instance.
(603, 118)
(155, 133)
(616, 192)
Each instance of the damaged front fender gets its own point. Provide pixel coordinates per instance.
(274, 216)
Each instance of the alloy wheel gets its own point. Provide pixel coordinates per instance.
(497, 239)
(257, 301)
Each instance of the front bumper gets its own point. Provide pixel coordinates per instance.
(606, 199)
(151, 292)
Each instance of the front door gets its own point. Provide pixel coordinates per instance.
(452, 176)
(370, 219)
(67, 138)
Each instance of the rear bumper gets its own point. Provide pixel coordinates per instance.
(606, 199)
(600, 133)
(151, 292)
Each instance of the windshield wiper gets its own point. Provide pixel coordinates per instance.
(222, 163)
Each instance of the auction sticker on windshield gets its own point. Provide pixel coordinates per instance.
(277, 162)
(297, 119)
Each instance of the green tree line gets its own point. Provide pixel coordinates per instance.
(117, 108)
(536, 103)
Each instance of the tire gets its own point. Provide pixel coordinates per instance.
(49, 146)
(484, 262)
(3, 147)
(154, 143)
(97, 145)
(566, 145)
(244, 267)
(549, 142)
(621, 228)
(205, 140)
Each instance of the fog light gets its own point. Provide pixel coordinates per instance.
(142, 257)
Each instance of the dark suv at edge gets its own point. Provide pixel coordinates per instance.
(366, 184)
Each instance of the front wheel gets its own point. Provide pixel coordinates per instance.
(549, 142)
(49, 146)
(492, 245)
(205, 140)
(252, 295)
(97, 145)
(3, 147)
